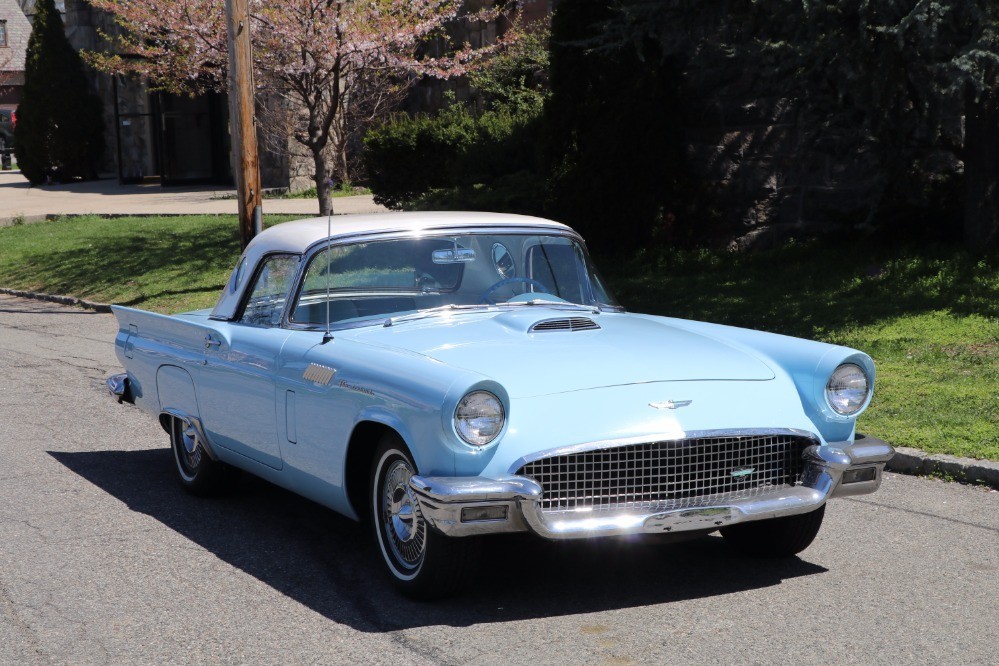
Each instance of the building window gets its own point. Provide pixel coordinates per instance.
(3, 33)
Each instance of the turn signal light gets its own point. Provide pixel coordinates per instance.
(857, 475)
(474, 514)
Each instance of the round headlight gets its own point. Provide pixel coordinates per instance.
(479, 418)
(847, 389)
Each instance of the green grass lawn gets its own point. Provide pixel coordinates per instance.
(166, 264)
(930, 318)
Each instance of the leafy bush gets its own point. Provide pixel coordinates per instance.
(516, 80)
(522, 192)
(407, 158)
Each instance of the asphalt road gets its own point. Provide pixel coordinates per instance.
(103, 559)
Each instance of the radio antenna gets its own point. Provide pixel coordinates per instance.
(327, 336)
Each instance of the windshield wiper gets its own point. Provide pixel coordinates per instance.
(552, 304)
(433, 312)
(446, 309)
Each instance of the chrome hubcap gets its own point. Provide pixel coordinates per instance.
(189, 451)
(403, 523)
(189, 437)
(401, 510)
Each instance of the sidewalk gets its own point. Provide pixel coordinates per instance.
(20, 201)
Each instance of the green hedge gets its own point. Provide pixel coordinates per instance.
(410, 157)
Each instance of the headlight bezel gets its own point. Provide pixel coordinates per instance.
(466, 435)
(848, 366)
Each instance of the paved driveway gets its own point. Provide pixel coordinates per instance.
(104, 559)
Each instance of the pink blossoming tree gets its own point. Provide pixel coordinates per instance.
(318, 55)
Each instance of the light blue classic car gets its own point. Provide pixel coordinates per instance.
(446, 376)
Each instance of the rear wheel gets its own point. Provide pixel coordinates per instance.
(777, 537)
(422, 563)
(197, 473)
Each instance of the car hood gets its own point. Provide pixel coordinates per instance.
(625, 349)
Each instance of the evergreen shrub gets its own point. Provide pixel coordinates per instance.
(409, 157)
(59, 132)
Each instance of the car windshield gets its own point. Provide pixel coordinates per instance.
(398, 277)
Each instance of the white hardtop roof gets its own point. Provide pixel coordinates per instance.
(297, 236)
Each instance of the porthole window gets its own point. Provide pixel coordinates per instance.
(503, 261)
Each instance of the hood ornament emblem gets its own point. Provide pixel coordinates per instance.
(670, 404)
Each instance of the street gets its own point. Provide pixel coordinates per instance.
(104, 559)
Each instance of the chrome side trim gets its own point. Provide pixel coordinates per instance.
(319, 374)
(658, 437)
(120, 388)
(195, 423)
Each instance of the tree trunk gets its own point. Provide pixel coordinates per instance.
(321, 177)
(981, 170)
(342, 164)
(338, 142)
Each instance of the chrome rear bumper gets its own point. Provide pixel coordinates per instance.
(465, 506)
(120, 388)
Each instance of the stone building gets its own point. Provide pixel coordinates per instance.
(14, 32)
(151, 135)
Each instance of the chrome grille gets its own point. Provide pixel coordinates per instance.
(570, 324)
(669, 475)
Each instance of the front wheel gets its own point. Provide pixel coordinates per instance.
(776, 537)
(423, 564)
(197, 473)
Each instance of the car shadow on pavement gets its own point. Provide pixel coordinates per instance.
(328, 563)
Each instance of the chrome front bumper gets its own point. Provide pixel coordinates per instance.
(466, 506)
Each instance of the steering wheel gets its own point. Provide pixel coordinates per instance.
(534, 283)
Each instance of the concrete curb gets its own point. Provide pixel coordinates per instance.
(53, 298)
(921, 463)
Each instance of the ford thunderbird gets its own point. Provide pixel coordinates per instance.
(447, 376)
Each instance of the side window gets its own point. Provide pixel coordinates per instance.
(270, 291)
(559, 268)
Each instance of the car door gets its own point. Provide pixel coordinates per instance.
(238, 390)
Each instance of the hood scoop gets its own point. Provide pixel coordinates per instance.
(570, 324)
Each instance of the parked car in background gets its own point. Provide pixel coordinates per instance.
(447, 376)
(7, 120)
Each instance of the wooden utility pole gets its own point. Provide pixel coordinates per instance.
(242, 128)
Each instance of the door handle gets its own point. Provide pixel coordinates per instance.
(212, 342)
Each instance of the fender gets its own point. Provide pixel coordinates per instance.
(178, 398)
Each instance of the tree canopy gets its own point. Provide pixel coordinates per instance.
(323, 57)
(890, 79)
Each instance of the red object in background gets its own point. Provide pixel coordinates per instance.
(13, 118)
